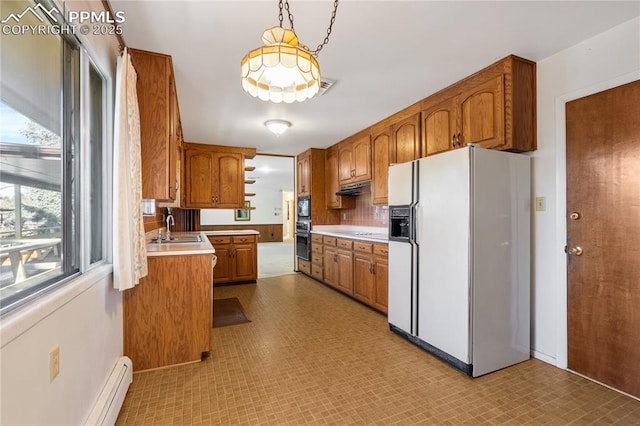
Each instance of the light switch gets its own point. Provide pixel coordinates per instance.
(541, 204)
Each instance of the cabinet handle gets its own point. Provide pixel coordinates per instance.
(384, 251)
(453, 140)
(458, 140)
(371, 268)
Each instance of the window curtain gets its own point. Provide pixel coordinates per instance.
(130, 250)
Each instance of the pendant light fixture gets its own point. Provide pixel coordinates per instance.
(283, 70)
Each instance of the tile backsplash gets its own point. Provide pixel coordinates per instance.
(365, 214)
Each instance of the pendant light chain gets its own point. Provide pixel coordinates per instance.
(285, 4)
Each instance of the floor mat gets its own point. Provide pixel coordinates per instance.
(228, 312)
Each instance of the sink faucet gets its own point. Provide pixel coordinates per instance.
(170, 222)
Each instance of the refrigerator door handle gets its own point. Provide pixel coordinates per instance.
(416, 228)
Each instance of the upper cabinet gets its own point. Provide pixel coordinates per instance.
(160, 129)
(303, 175)
(332, 182)
(405, 142)
(381, 148)
(354, 160)
(214, 176)
(494, 108)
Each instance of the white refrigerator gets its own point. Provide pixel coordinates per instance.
(459, 257)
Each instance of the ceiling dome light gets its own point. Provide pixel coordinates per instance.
(277, 127)
(282, 70)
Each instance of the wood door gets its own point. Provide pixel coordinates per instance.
(198, 179)
(345, 164)
(381, 145)
(439, 129)
(345, 271)
(330, 265)
(228, 180)
(173, 141)
(363, 284)
(222, 270)
(603, 190)
(481, 114)
(405, 145)
(332, 179)
(380, 283)
(304, 173)
(362, 159)
(244, 262)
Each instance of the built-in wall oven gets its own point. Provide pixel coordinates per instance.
(303, 239)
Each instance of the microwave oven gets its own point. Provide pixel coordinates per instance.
(304, 207)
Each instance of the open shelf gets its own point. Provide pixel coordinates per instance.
(249, 181)
(249, 194)
(249, 168)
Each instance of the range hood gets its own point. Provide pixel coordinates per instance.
(354, 188)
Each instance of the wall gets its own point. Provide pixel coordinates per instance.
(607, 60)
(83, 317)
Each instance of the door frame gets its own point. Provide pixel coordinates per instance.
(561, 360)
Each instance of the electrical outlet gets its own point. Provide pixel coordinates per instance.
(54, 362)
(541, 204)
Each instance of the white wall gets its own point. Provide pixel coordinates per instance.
(607, 60)
(84, 318)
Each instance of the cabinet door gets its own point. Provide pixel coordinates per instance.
(381, 147)
(439, 129)
(174, 119)
(345, 164)
(330, 266)
(482, 114)
(222, 270)
(332, 180)
(198, 179)
(152, 86)
(244, 262)
(363, 278)
(345, 271)
(303, 173)
(405, 145)
(380, 283)
(228, 180)
(361, 159)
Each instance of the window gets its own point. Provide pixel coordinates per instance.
(52, 118)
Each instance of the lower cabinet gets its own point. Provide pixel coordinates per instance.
(357, 268)
(167, 318)
(237, 258)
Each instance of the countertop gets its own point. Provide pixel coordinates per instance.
(231, 232)
(367, 233)
(180, 249)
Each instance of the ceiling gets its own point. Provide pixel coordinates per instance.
(385, 55)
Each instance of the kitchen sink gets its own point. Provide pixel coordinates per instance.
(180, 239)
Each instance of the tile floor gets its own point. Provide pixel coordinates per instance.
(313, 356)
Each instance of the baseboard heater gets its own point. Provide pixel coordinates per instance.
(107, 407)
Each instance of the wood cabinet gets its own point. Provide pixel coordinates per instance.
(160, 128)
(381, 146)
(214, 176)
(494, 108)
(406, 140)
(355, 267)
(354, 159)
(332, 182)
(371, 275)
(303, 173)
(237, 258)
(168, 316)
(310, 174)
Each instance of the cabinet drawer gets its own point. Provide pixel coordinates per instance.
(316, 271)
(345, 244)
(244, 239)
(316, 258)
(304, 266)
(214, 239)
(381, 249)
(362, 247)
(329, 241)
(316, 238)
(316, 248)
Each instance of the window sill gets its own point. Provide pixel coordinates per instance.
(17, 323)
